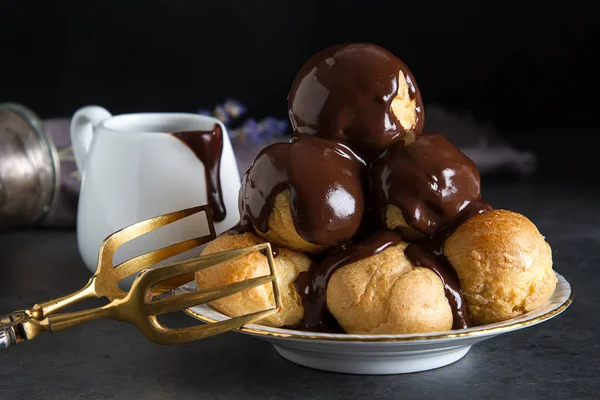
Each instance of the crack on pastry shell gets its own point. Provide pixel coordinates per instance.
(403, 105)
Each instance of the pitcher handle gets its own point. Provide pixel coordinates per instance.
(82, 132)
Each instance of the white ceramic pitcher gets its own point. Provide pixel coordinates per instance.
(133, 168)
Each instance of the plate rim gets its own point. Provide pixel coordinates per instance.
(348, 337)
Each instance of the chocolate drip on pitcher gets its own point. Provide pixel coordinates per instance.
(208, 147)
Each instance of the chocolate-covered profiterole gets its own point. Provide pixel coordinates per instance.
(428, 179)
(325, 181)
(436, 187)
(208, 147)
(358, 93)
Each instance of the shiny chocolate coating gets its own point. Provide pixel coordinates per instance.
(325, 180)
(345, 92)
(429, 253)
(428, 179)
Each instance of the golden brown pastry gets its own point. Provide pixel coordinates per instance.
(282, 231)
(386, 294)
(288, 265)
(504, 265)
(394, 220)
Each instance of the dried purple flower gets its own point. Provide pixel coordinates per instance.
(234, 108)
(222, 114)
(250, 131)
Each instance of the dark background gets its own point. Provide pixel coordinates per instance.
(526, 67)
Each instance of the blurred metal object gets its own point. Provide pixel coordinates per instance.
(145, 301)
(29, 168)
(9, 327)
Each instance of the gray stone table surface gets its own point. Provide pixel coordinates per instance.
(559, 359)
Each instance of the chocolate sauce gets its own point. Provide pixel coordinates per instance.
(345, 92)
(208, 147)
(325, 182)
(429, 179)
(312, 284)
(436, 187)
(429, 253)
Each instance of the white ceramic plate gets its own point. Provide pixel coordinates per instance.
(386, 354)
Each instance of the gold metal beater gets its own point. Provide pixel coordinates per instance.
(146, 298)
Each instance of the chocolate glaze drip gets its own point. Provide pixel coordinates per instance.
(429, 253)
(429, 179)
(345, 92)
(325, 182)
(312, 284)
(208, 147)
